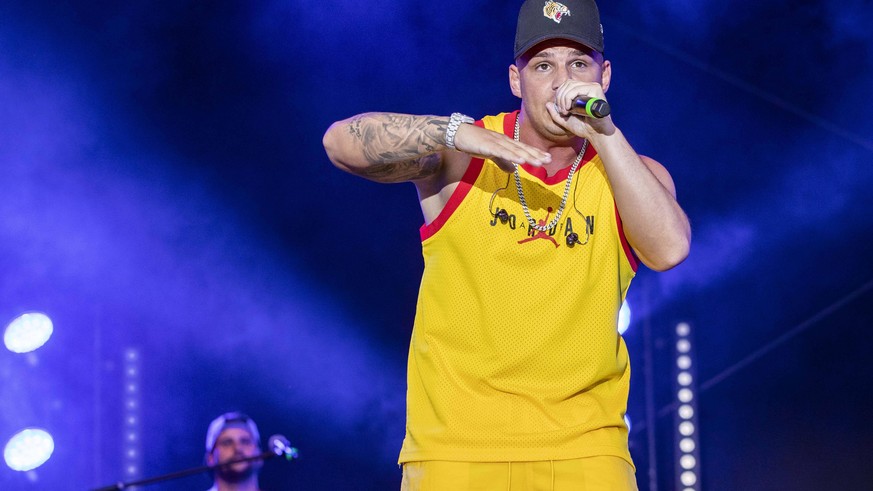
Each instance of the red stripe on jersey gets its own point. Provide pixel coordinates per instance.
(628, 250)
(540, 172)
(458, 195)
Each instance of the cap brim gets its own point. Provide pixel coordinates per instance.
(547, 37)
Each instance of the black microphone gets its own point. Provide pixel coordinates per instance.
(280, 446)
(590, 106)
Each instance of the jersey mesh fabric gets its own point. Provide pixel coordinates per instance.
(514, 353)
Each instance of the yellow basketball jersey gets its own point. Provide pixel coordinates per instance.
(515, 355)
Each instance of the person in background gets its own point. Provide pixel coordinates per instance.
(233, 436)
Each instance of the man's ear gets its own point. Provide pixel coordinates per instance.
(606, 75)
(514, 81)
(210, 460)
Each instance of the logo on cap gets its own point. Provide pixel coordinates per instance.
(555, 11)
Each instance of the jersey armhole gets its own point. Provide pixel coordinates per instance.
(628, 250)
(427, 230)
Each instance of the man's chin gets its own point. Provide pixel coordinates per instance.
(559, 135)
(236, 472)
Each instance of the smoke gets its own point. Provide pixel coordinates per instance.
(120, 224)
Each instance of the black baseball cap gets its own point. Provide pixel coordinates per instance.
(541, 20)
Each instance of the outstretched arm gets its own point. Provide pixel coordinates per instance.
(387, 147)
(390, 147)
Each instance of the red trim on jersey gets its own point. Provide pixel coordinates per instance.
(458, 195)
(509, 123)
(628, 251)
(540, 172)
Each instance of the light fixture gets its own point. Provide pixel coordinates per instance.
(28, 449)
(687, 452)
(28, 332)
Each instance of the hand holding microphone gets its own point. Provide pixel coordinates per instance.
(592, 107)
(581, 109)
(582, 98)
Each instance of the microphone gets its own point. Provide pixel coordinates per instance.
(590, 106)
(280, 446)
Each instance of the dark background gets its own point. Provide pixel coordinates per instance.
(164, 190)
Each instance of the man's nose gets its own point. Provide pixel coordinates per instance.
(561, 76)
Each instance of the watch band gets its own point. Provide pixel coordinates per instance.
(455, 122)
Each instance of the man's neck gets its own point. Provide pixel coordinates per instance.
(250, 484)
(563, 151)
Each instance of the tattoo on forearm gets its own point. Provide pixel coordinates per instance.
(403, 171)
(399, 146)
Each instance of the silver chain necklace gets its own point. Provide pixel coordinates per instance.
(530, 220)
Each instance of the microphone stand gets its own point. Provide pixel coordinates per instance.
(194, 470)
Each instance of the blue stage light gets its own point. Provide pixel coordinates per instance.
(28, 332)
(28, 449)
(624, 317)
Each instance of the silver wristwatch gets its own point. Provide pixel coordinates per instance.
(455, 122)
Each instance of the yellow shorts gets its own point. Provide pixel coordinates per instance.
(602, 473)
